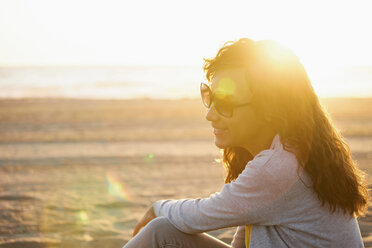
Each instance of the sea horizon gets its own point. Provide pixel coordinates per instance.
(152, 82)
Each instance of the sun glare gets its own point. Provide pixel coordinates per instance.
(279, 54)
(145, 32)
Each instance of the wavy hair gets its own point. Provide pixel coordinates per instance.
(283, 93)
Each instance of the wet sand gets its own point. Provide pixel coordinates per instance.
(80, 173)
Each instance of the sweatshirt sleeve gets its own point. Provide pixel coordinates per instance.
(235, 205)
(239, 238)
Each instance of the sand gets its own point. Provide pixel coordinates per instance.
(80, 173)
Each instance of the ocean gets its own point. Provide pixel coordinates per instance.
(169, 82)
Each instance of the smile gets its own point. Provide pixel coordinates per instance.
(219, 131)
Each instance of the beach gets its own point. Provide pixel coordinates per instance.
(81, 173)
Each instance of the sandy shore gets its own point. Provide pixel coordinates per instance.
(80, 173)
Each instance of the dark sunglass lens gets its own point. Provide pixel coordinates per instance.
(224, 108)
(205, 95)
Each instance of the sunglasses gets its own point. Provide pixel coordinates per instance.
(223, 106)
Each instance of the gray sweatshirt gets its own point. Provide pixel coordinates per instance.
(276, 198)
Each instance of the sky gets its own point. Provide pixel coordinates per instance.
(79, 32)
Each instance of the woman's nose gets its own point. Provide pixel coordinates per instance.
(212, 114)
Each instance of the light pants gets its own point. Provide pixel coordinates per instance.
(160, 233)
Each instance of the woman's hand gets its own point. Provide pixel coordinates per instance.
(149, 216)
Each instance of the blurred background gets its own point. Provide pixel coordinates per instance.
(130, 49)
(100, 113)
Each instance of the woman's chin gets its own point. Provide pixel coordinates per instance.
(220, 143)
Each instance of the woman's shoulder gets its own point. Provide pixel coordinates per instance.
(274, 157)
(274, 161)
(279, 166)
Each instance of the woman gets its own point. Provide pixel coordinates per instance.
(291, 181)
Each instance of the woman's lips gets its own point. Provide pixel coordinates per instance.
(217, 131)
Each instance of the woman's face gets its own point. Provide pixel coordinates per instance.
(245, 126)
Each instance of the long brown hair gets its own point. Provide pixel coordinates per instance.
(283, 92)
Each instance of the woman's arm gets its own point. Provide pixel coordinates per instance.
(239, 238)
(246, 200)
(234, 205)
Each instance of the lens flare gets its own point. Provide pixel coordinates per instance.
(82, 216)
(149, 158)
(226, 86)
(116, 188)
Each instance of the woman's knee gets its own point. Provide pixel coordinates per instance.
(154, 234)
(160, 224)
